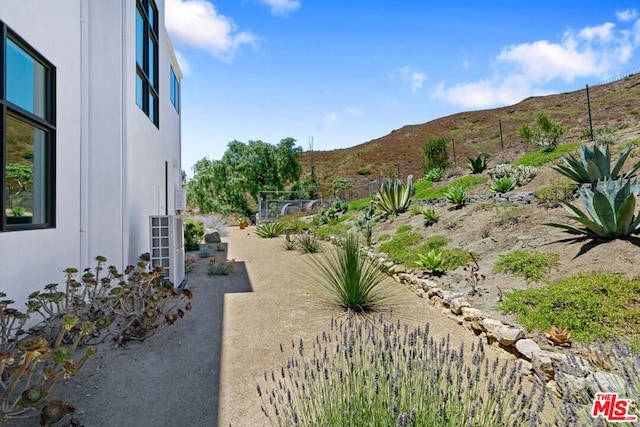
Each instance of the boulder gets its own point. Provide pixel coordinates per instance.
(508, 335)
(212, 237)
(458, 303)
(527, 347)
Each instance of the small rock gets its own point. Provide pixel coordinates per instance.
(475, 326)
(492, 325)
(527, 347)
(508, 335)
(446, 311)
(524, 367)
(458, 303)
(434, 291)
(543, 365)
(469, 313)
(428, 284)
(420, 292)
(437, 302)
(212, 237)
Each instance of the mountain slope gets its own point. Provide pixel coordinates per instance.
(614, 105)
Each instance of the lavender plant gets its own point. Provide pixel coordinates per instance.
(373, 372)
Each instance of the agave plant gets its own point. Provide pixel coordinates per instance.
(477, 164)
(610, 206)
(457, 195)
(430, 217)
(433, 261)
(394, 197)
(502, 185)
(434, 175)
(270, 229)
(595, 165)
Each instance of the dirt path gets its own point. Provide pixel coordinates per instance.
(202, 371)
(281, 308)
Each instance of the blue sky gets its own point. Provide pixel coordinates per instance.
(345, 72)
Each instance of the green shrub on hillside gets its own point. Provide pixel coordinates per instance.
(533, 266)
(593, 306)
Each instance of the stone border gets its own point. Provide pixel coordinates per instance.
(564, 374)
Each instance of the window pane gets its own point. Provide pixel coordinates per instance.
(152, 63)
(152, 16)
(25, 80)
(153, 107)
(25, 173)
(139, 91)
(139, 39)
(172, 83)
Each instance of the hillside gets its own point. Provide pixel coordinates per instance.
(613, 105)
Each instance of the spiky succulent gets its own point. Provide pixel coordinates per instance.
(394, 197)
(502, 185)
(477, 164)
(595, 165)
(270, 229)
(457, 195)
(432, 261)
(610, 210)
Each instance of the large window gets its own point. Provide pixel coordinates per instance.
(147, 58)
(175, 90)
(27, 135)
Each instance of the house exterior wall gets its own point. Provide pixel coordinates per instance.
(31, 259)
(110, 157)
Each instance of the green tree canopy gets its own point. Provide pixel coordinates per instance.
(232, 184)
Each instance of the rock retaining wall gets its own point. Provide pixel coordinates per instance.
(564, 373)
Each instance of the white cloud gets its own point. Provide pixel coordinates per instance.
(282, 7)
(523, 70)
(466, 65)
(602, 32)
(184, 64)
(627, 15)
(198, 24)
(415, 78)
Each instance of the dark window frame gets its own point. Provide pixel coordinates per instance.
(46, 124)
(148, 73)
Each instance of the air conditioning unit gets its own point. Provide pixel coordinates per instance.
(167, 246)
(181, 199)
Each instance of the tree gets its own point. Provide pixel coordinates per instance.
(233, 183)
(339, 186)
(436, 155)
(545, 132)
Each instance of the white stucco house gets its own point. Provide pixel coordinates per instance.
(89, 137)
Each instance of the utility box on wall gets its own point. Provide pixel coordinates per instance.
(167, 246)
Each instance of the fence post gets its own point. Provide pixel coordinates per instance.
(589, 108)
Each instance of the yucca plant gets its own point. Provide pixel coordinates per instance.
(610, 206)
(394, 197)
(432, 261)
(595, 165)
(270, 229)
(502, 185)
(434, 174)
(477, 164)
(348, 278)
(430, 217)
(457, 195)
